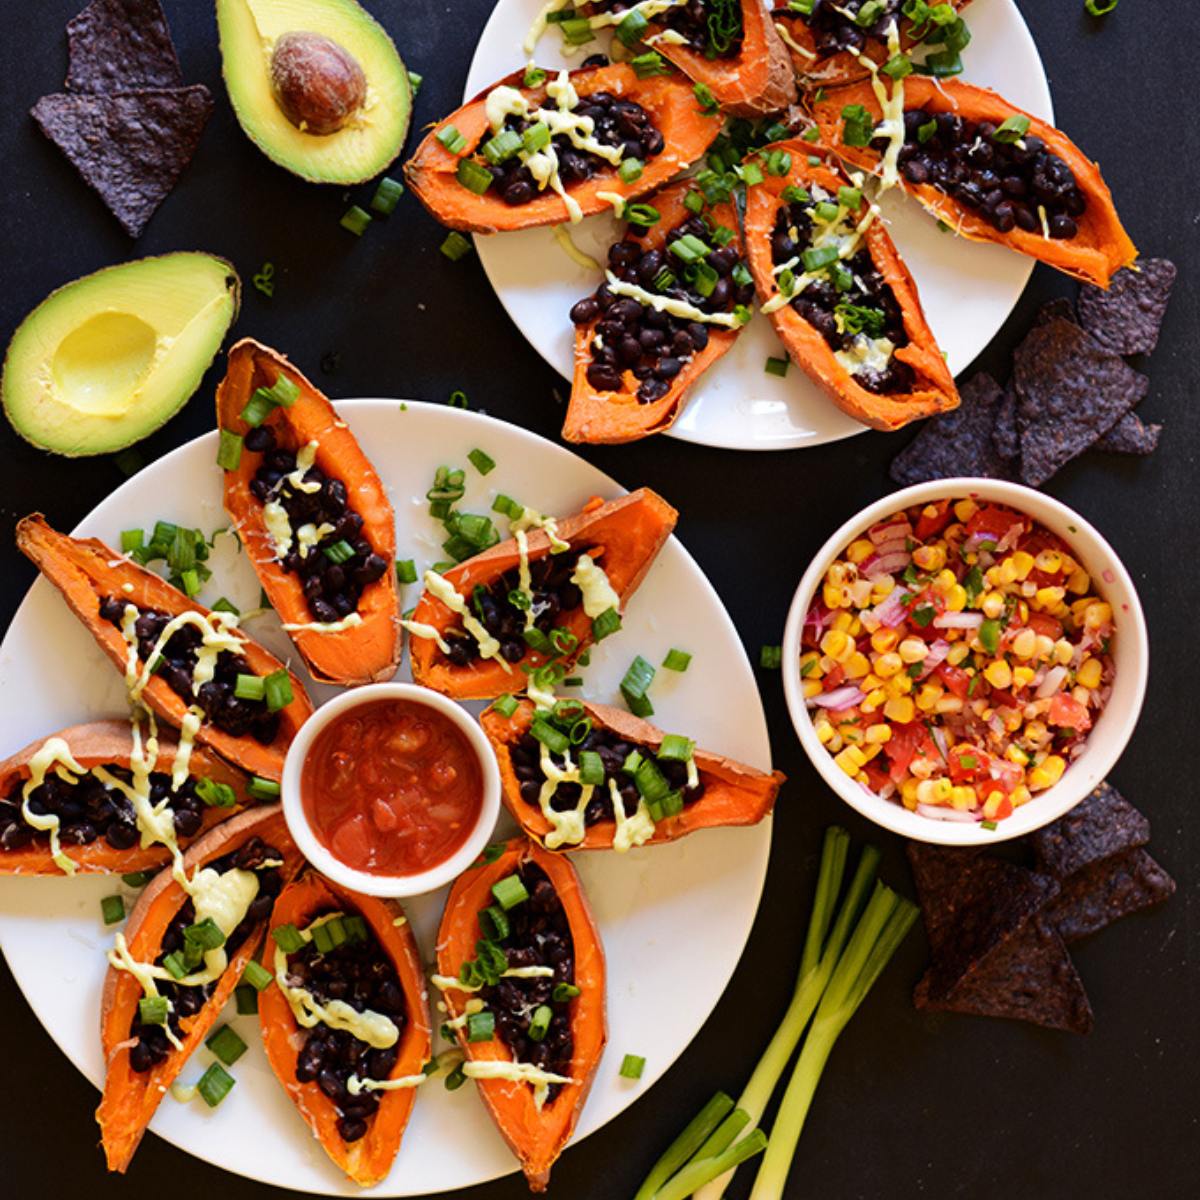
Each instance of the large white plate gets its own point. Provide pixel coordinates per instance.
(649, 904)
(968, 289)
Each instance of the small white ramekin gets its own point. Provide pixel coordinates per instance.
(392, 886)
(1108, 737)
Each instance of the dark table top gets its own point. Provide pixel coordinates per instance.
(911, 1104)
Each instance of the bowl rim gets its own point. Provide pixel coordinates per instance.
(1133, 649)
(366, 883)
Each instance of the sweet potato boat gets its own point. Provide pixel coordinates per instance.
(630, 530)
(364, 653)
(734, 793)
(367, 1160)
(536, 1136)
(1100, 247)
(687, 131)
(755, 81)
(86, 571)
(110, 744)
(598, 416)
(933, 389)
(130, 1098)
(831, 70)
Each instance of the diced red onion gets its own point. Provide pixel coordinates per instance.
(1011, 537)
(887, 564)
(934, 657)
(1053, 681)
(889, 612)
(890, 530)
(839, 699)
(958, 620)
(939, 740)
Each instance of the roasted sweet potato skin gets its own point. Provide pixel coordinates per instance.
(688, 132)
(368, 652)
(367, 1161)
(613, 417)
(1094, 255)
(85, 570)
(130, 1098)
(734, 793)
(109, 743)
(934, 390)
(631, 529)
(537, 1139)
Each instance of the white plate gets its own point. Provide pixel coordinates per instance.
(967, 288)
(649, 904)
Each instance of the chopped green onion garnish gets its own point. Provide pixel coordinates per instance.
(458, 399)
(632, 27)
(677, 660)
(651, 782)
(926, 131)
(642, 215)
(506, 705)
(258, 408)
(1011, 129)
(650, 63)
(175, 964)
(229, 451)
(387, 196)
(502, 146)
(534, 77)
(509, 892)
(137, 879)
(553, 739)
(608, 622)
(189, 581)
(249, 687)
(257, 976)
(899, 66)
(770, 657)
(206, 934)
(278, 690)
(494, 923)
(246, 999)
(632, 1066)
(576, 30)
(705, 99)
(563, 992)
(630, 171)
(779, 162)
(214, 1085)
(355, 220)
(675, 747)
(455, 246)
(482, 462)
(216, 794)
(536, 137)
(452, 139)
(263, 789)
(288, 938)
(455, 1079)
(223, 605)
(481, 1026)
(339, 552)
(858, 126)
(473, 176)
(226, 1045)
(112, 909)
(751, 173)
(1099, 8)
(414, 82)
(539, 1023)
(132, 539)
(406, 570)
(591, 768)
(776, 366)
(152, 1010)
(635, 684)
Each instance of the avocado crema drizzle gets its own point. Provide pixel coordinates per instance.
(836, 237)
(598, 594)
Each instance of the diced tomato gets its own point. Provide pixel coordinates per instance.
(955, 678)
(906, 742)
(929, 523)
(877, 777)
(973, 768)
(999, 699)
(993, 518)
(834, 678)
(1069, 713)
(1003, 809)
(1045, 625)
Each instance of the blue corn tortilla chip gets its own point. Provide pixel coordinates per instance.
(1071, 391)
(1029, 978)
(957, 442)
(1060, 306)
(1101, 825)
(1127, 316)
(1106, 891)
(1130, 435)
(129, 148)
(1006, 437)
(120, 46)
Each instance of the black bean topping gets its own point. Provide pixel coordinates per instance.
(835, 29)
(690, 21)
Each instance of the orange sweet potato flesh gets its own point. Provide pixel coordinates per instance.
(536, 1138)
(734, 794)
(365, 653)
(843, 67)
(130, 1098)
(1098, 250)
(368, 1160)
(613, 417)
(85, 570)
(108, 744)
(669, 100)
(933, 390)
(755, 82)
(631, 530)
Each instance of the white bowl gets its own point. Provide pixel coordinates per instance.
(1109, 735)
(369, 883)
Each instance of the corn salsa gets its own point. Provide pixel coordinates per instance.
(955, 658)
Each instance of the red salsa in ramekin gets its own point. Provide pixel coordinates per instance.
(392, 787)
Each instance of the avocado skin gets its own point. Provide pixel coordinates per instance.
(17, 376)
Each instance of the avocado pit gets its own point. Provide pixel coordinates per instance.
(318, 84)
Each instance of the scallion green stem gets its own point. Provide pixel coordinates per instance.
(723, 1136)
(685, 1145)
(697, 1174)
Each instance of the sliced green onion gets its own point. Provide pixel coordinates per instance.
(481, 1026)
(495, 923)
(509, 892)
(226, 1045)
(112, 909)
(455, 246)
(779, 163)
(751, 173)
(1099, 8)
(278, 690)
(642, 215)
(132, 539)
(288, 938)
(175, 964)
(506, 705)
(607, 623)
(507, 506)
(152, 1010)
(258, 408)
(452, 139)
(770, 657)
(705, 99)
(553, 739)
(137, 879)
(257, 976)
(849, 197)
(474, 177)
(677, 660)
(693, 201)
(539, 1023)
(482, 462)
(536, 137)
(858, 126)
(355, 220)
(502, 146)
(899, 66)
(356, 929)
(1011, 129)
(323, 939)
(630, 170)
(632, 1066)
(458, 399)
(216, 794)
(189, 581)
(776, 366)
(635, 684)
(795, 195)
(648, 64)
(414, 82)
(563, 992)
(534, 77)
(816, 257)
(591, 768)
(387, 196)
(455, 1079)
(206, 934)
(926, 131)
(338, 552)
(406, 570)
(249, 687)
(214, 1085)
(229, 450)
(223, 605)
(576, 30)
(632, 27)
(651, 783)
(676, 748)
(246, 999)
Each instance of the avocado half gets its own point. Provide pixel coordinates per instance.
(372, 136)
(106, 360)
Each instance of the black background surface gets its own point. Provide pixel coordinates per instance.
(911, 1105)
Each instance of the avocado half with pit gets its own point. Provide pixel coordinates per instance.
(317, 85)
(105, 360)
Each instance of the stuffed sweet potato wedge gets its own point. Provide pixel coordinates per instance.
(522, 974)
(558, 149)
(313, 516)
(175, 964)
(840, 297)
(659, 321)
(563, 774)
(542, 597)
(990, 171)
(137, 618)
(79, 787)
(346, 1025)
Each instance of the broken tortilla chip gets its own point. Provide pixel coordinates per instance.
(120, 45)
(1106, 891)
(1127, 316)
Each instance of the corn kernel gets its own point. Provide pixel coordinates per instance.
(812, 687)
(1020, 795)
(948, 704)
(899, 685)
(1049, 597)
(1089, 673)
(882, 587)
(998, 674)
(887, 665)
(1012, 721)
(824, 730)
(883, 640)
(964, 510)
(1081, 696)
(945, 580)
(900, 709)
(1078, 582)
(1097, 614)
(827, 664)
(1022, 562)
(957, 653)
(1048, 772)
(850, 760)
(837, 644)
(1049, 561)
(992, 604)
(963, 798)
(1025, 644)
(842, 622)
(859, 550)
(835, 597)
(838, 574)
(913, 650)
(1007, 571)
(1015, 754)
(956, 598)
(908, 793)
(922, 768)
(835, 743)
(872, 749)
(1023, 676)
(874, 699)
(935, 791)
(870, 682)
(991, 806)
(1036, 734)
(851, 732)
(807, 670)
(857, 665)
(928, 696)
(1044, 648)
(878, 734)
(930, 558)
(1063, 652)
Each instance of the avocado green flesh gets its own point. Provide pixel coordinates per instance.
(107, 359)
(369, 141)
